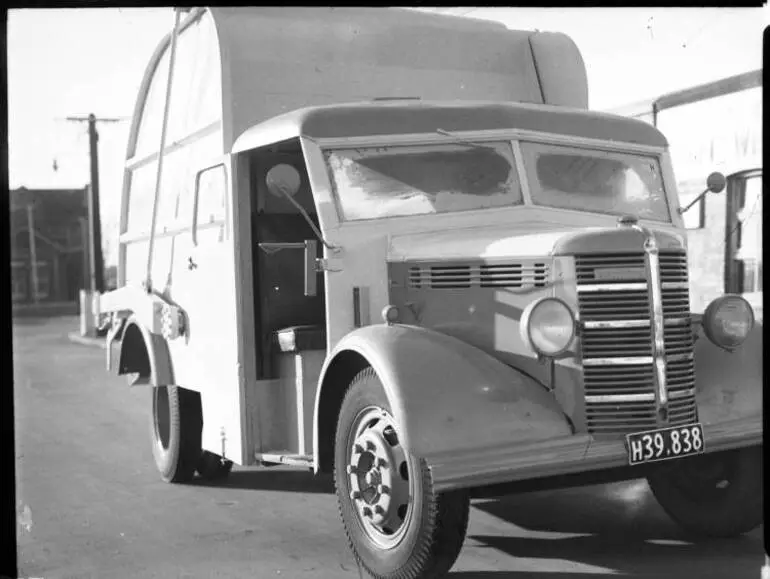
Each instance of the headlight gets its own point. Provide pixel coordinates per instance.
(548, 326)
(728, 320)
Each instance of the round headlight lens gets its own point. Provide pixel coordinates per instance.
(728, 321)
(548, 326)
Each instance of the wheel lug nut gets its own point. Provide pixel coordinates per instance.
(382, 463)
(358, 449)
(383, 489)
(367, 512)
(370, 445)
(355, 495)
(379, 510)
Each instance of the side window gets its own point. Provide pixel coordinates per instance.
(209, 206)
(750, 249)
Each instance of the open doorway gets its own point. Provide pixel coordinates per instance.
(279, 275)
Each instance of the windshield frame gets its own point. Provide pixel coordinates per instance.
(567, 148)
(515, 137)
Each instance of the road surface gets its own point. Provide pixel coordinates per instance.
(90, 504)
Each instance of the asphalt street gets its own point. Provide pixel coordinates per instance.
(91, 505)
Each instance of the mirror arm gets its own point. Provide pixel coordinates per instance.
(693, 202)
(310, 222)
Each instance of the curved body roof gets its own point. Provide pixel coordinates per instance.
(261, 62)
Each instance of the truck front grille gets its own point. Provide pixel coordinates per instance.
(616, 342)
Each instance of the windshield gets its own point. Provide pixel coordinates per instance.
(421, 179)
(597, 181)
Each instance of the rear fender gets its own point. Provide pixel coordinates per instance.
(445, 394)
(145, 353)
(729, 384)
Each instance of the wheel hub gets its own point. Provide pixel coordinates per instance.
(378, 488)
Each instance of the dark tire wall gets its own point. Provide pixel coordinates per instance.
(733, 509)
(175, 427)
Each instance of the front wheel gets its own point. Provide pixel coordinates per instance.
(398, 527)
(713, 495)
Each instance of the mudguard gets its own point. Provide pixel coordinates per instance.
(448, 396)
(136, 335)
(729, 384)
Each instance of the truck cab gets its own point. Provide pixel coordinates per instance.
(430, 296)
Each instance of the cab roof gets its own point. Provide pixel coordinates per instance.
(400, 117)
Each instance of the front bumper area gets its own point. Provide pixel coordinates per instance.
(574, 454)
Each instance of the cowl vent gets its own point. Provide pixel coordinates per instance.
(519, 275)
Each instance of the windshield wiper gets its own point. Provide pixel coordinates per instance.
(460, 140)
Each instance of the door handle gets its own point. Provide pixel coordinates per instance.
(191, 263)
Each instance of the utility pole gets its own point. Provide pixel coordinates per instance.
(94, 217)
(32, 249)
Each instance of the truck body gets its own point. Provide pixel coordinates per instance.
(717, 126)
(402, 249)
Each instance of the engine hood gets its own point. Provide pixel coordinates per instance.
(497, 242)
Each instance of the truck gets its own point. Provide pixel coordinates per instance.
(717, 125)
(399, 249)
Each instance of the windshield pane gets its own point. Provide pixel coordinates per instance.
(416, 180)
(596, 181)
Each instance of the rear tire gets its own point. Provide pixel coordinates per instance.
(713, 495)
(397, 526)
(175, 428)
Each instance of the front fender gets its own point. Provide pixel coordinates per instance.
(448, 396)
(729, 384)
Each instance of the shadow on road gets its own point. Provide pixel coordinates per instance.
(272, 479)
(621, 527)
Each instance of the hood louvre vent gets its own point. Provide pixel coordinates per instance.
(521, 275)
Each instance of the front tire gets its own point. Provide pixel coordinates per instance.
(713, 495)
(397, 526)
(175, 429)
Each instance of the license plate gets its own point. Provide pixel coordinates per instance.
(664, 444)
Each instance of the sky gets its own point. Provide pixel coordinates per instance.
(72, 62)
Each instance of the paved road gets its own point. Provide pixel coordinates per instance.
(91, 505)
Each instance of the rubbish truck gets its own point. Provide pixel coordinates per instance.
(717, 126)
(399, 248)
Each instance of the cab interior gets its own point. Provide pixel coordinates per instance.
(281, 306)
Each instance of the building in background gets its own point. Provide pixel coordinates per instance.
(56, 249)
(717, 127)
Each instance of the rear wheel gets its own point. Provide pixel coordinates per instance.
(176, 426)
(398, 527)
(713, 495)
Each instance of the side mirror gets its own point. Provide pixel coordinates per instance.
(715, 183)
(283, 180)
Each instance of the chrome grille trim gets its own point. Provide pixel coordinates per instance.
(603, 324)
(617, 343)
(608, 287)
(618, 361)
(621, 398)
(656, 312)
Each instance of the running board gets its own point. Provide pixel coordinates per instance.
(289, 459)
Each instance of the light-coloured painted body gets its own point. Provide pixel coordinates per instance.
(468, 395)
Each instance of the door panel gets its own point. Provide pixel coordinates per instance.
(203, 285)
